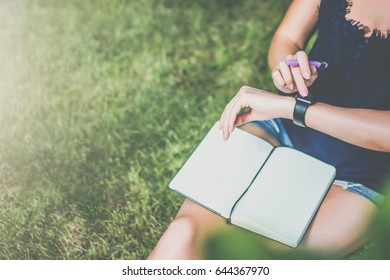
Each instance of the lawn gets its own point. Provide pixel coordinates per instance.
(100, 103)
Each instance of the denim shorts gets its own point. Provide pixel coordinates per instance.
(277, 131)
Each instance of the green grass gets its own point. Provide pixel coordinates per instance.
(100, 103)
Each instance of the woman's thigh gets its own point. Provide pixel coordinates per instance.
(340, 225)
(204, 220)
(342, 222)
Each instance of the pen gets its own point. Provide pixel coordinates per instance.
(317, 64)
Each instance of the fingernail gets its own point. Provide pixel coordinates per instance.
(291, 86)
(306, 74)
(304, 92)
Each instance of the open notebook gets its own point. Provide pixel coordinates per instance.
(273, 191)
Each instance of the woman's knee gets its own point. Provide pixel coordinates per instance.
(184, 236)
(184, 226)
(199, 216)
(177, 242)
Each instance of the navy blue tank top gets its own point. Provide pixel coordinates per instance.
(358, 76)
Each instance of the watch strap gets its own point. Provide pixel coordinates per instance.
(301, 105)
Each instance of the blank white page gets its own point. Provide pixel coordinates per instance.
(284, 196)
(218, 171)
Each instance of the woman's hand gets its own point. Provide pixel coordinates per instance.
(262, 105)
(289, 79)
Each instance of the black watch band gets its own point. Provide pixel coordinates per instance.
(301, 105)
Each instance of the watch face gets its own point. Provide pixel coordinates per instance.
(308, 99)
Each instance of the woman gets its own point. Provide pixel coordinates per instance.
(348, 126)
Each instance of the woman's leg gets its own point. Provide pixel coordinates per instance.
(185, 235)
(340, 225)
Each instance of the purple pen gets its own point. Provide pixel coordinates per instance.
(317, 64)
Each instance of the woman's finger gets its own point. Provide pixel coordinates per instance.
(278, 79)
(224, 121)
(286, 75)
(234, 111)
(304, 67)
(299, 81)
(314, 75)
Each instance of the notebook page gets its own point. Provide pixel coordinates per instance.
(284, 196)
(219, 171)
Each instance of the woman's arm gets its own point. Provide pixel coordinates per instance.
(289, 42)
(294, 31)
(361, 127)
(366, 128)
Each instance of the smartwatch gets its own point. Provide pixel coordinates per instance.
(301, 105)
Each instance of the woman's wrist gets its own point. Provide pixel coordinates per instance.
(285, 107)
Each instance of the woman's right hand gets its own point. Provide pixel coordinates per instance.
(290, 79)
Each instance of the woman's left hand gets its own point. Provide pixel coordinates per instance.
(262, 105)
